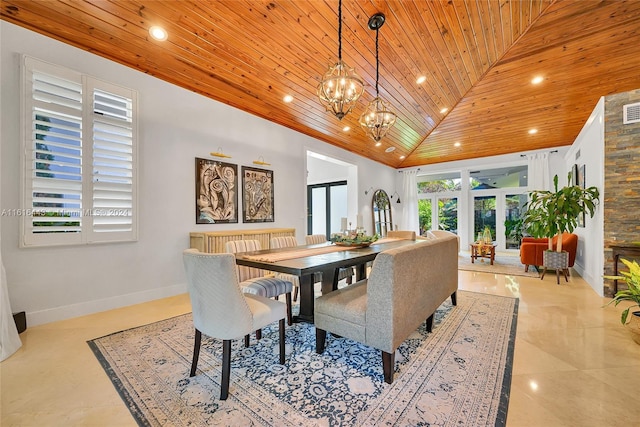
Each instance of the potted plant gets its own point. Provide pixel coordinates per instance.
(632, 279)
(551, 213)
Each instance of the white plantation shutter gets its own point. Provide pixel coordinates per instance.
(112, 159)
(79, 158)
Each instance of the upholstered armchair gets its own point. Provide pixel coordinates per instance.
(531, 249)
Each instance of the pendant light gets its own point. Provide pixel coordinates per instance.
(377, 119)
(340, 87)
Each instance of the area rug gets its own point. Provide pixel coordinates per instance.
(460, 374)
(509, 265)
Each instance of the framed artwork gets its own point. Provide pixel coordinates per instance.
(581, 182)
(574, 175)
(257, 195)
(216, 194)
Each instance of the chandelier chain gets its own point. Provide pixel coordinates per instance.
(377, 61)
(339, 30)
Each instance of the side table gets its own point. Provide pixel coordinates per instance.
(483, 250)
(626, 249)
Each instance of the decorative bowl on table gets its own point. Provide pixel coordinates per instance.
(353, 239)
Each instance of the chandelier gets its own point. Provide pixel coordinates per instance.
(377, 119)
(340, 87)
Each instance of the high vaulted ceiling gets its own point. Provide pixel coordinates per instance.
(478, 56)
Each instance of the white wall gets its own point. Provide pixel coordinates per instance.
(175, 127)
(588, 150)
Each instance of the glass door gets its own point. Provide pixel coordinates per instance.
(438, 213)
(484, 215)
(326, 204)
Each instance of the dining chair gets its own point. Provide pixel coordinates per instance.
(222, 311)
(344, 272)
(253, 280)
(402, 234)
(289, 242)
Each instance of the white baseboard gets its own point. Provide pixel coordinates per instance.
(589, 279)
(35, 318)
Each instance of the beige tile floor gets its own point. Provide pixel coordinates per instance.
(574, 364)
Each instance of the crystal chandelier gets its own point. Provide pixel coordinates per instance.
(340, 87)
(377, 119)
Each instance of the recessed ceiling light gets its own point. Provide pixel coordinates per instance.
(390, 150)
(287, 98)
(533, 131)
(402, 157)
(444, 110)
(346, 128)
(457, 144)
(421, 79)
(378, 144)
(158, 33)
(537, 80)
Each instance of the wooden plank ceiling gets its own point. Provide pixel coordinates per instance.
(478, 56)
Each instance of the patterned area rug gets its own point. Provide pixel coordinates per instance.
(460, 374)
(509, 265)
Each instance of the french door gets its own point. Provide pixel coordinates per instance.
(438, 213)
(326, 205)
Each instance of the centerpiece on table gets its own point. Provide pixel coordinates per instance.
(353, 238)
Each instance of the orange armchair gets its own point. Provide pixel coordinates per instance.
(531, 249)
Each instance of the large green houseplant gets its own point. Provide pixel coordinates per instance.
(632, 294)
(551, 213)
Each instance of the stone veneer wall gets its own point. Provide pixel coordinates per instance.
(621, 178)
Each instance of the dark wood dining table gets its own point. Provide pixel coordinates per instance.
(307, 263)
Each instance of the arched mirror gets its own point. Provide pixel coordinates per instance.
(381, 208)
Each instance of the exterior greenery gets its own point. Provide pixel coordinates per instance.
(551, 213)
(632, 278)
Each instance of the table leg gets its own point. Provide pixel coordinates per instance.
(493, 254)
(361, 271)
(615, 273)
(329, 280)
(307, 299)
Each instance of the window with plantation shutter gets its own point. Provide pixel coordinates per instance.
(79, 158)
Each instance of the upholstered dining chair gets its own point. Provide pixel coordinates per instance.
(402, 234)
(222, 311)
(253, 280)
(343, 273)
(289, 242)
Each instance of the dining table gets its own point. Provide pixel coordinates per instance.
(327, 258)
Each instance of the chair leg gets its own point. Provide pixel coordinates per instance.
(388, 364)
(321, 337)
(259, 334)
(295, 294)
(289, 317)
(196, 352)
(281, 330)
(226, 369)
(454, 298)
(526, 268)
(430, 323)
(349, 280)
(246, 340)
